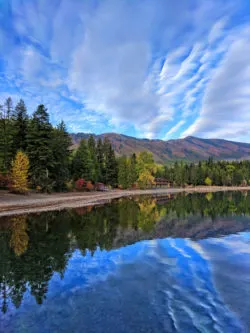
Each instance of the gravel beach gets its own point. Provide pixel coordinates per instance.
(11, 204)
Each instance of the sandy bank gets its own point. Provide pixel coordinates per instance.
(11, 204)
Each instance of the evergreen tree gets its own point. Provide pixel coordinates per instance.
(20, 126)
(127, 173)
(100, 160)
(110, 163)
(123, 172)
(9, 107)
(6, 135)
(81, 163)
(132, 171)
(105, 151)
(93, 157)
(61, 156)
(39, 149)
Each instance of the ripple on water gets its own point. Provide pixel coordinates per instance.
(192, 302)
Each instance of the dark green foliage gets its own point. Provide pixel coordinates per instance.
(52, 165)
(93, 156)
(20, 127)
(48, 148)
(127, 173)
(123, 172)
(100, 159)
(6, 135)
(132, 175)
(81, 162)
(61, 142)
(39, 149)
(221, 173)
(104, 164)
(111, 169)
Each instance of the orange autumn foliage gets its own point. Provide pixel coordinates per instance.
(89, 186)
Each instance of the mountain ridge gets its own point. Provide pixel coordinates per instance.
(190, 148)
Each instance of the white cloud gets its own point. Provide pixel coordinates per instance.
(226, 104)
(217, 30)
(174, 129)
(140, 64)
(111, 67)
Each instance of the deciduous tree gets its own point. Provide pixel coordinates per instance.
(19, 173)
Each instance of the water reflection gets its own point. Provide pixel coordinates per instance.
(53, 257)
(19, 237)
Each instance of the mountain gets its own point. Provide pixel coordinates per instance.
(189, 148)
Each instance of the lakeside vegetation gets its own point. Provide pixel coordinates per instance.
(209, 172)
(34, 154)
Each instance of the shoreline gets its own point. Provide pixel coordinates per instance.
(12, 204)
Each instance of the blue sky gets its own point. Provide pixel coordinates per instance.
(153, 68)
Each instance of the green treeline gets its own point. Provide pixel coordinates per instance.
(53, 165)
(210, 172)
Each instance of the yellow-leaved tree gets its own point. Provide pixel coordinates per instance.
(19, 237)
(146, 169)
(148, 214)
(19, 173)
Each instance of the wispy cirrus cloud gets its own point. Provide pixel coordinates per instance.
(155, 69)
(225, 110)
(174, 129)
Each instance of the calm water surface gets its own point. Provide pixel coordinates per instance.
(163, 264)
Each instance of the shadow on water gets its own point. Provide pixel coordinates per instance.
(76, 264)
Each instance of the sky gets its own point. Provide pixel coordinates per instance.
(157, 69)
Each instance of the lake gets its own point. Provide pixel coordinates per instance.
(145, 264)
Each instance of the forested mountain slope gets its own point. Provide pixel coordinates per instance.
(189, 148)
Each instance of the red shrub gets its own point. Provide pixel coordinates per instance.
(80, 184)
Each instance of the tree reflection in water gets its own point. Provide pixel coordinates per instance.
(19, 238)
(34, 247)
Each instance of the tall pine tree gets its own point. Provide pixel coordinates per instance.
(60, 144)
(123, 172)
(20, 126)
(6, 135)
(39, 149)
(132, 173)
(93, 157)
(111, 169)
(81, 162)
(100, 160)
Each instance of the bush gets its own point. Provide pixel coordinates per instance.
(4, 181)
(89, 186)
(80, 184)
(70, 186)
(43, 183)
